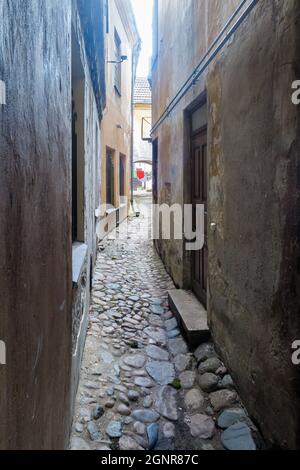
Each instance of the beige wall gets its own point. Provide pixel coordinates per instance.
(116, 124)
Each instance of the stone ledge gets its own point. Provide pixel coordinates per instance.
(79, 252)
(191, 315)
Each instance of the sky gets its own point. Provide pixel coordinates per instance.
(143, 14)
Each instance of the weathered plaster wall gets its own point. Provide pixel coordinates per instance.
(35, 228)
(254, 199)
(142, 149)
(253, 149)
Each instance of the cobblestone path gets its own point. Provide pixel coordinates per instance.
(140, 387)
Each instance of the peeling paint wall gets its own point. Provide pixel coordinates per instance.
(253, 151)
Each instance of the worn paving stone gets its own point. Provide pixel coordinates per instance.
(187, 379)
(135, 360)
(166, 403)
(173, 333)
(97, 412)
(204, 352)
(222, 399)
(79, 427)
(231, 416)
(227, 382)
(182, 362)
(148, 402)
(139, 428)
(152, 433)
(169, 430)
(124, 410)
(157, 353)
(157, 309)
(171, 324)
(114, 429)
(77, 443)
(93, 431)
(201, 426)
(145, 416)
(177, 346)
(193, 399)
(128, 443)
(210, 365)
(165, 444)
(144, 382)
(238, 437)
(157, 334)
(208, 382)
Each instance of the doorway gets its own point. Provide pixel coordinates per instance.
(199, 196)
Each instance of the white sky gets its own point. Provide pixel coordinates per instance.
(143, 14)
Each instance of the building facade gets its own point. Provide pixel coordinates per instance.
(122, 52)
(226, 136)
(142, 150)
(52, 65)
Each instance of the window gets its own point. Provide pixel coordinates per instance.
(199, 118)
(118, 67)
(146, 128)
(122, 177)
(110, 177)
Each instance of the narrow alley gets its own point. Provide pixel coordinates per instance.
(139, 387)
(150, 228)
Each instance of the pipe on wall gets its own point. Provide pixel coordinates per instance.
(208, 57)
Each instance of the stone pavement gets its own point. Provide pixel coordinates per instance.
(140, 387)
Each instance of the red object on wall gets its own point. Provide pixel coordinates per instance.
(140, 174)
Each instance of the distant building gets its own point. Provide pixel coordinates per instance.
(122, 52)
(142, 154)
(226, 136)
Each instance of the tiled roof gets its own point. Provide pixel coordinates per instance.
(142, 91)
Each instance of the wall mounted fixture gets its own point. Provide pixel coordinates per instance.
(122, 59)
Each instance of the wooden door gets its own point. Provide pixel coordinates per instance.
(199, 196)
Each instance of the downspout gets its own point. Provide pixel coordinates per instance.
(135, 56)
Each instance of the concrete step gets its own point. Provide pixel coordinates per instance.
(191, 315)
